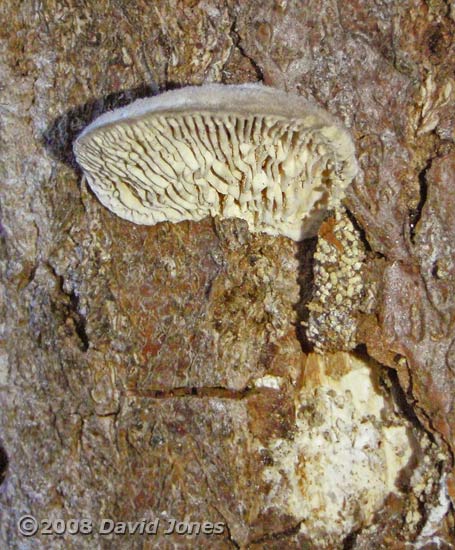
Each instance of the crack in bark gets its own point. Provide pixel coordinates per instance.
(273, 537)
(415, 214)
(80, 322)
(197, 392)
(230, 537)
(3, 464)
(349, 543)
(305, 280)
(237, 43)
(72, 307)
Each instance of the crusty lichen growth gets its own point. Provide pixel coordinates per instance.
(428, 495)
(332, 323)
(349, 451)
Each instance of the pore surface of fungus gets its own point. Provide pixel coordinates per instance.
(246, 151)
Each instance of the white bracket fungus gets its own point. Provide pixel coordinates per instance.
(245, 151)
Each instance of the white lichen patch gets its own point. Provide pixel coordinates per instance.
(338, 285)
(435, 518)
(251, 152)
(3, 368)
(349, 448)
(433, 99)
(429, 501)
(269, 381)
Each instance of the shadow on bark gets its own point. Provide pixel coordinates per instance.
(59, 136)
(305, 253)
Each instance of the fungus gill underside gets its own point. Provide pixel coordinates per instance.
(246, 151)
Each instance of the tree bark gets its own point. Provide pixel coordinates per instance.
(157, 373)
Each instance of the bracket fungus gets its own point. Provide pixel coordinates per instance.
(269, 157)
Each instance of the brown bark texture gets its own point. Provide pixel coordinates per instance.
(134, 361)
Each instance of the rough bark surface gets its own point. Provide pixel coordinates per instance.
(130, 356)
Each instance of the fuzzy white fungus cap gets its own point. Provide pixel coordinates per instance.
(247, 151)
